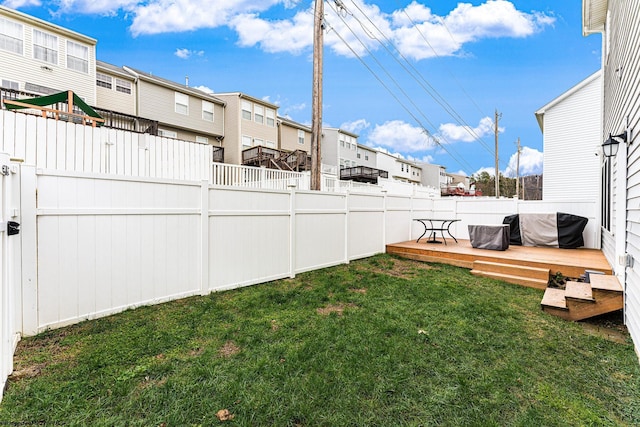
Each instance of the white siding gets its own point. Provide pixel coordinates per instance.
(25, 69)
(572, 137)
(622, 112)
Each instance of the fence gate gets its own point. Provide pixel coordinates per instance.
(10, 260)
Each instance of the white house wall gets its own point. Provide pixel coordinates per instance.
(572, 136)
(622, 112)
(25, 69)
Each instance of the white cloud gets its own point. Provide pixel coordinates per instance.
(204, 89)
(423, 159)
(293, 35)
(400, 136)
(356, 126)
(99, 7)
(452, 132)
(360, 24)
(531, 162)
(490, 171)
(186, 53)
(16, 4)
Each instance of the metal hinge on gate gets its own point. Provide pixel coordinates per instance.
(5, 170)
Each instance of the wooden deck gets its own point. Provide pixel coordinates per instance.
(569, 262)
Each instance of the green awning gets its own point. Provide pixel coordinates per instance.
(43, 101)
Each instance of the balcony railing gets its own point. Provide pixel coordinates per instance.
(363, 174)
(272, 158)
(113, 119)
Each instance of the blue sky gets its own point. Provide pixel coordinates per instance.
(420, 78)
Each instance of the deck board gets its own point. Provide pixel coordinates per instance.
(569, 262)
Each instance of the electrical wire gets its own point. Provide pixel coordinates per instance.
(456, 157)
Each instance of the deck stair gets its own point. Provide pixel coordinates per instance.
(533, 277)
(580, 300)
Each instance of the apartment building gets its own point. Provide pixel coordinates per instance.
(182, 112)
(249, 122)
(399, 169)
(293, 135)
(42, 58)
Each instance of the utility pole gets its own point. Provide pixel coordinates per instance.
(316, 102)
(518, 169)
(495, 122)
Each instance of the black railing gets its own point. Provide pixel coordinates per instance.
(218, 154)
(113, 119)
(363, 174)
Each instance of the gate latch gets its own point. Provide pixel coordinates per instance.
(13, 228)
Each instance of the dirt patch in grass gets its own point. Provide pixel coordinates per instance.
(229, 349)
(609, 326)
(33, 356)
(358, 291)
(335, 308)
(396, 267)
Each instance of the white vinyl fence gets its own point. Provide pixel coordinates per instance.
(113, 220)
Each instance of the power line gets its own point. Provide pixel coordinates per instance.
(420, 79)
(416, 119)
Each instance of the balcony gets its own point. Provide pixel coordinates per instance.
(272, 158)
(112, 119)
(363, 174)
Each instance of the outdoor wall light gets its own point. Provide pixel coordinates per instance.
(610, 146)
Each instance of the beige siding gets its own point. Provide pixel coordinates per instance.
(288, 139)
(621, 109)
(232, 140)
(25, 69)
(572, 136)
(236, 127)
(157, 102)
(113, 100)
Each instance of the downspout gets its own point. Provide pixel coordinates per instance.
(135, 81)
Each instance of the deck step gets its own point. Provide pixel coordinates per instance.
(605, 282)
(532, 277)
(516, 280)
(554, 303)
(512, 269)
(578, 291)
(554, 297)
(579, 300)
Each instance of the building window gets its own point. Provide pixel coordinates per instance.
(258, 114)
(246, 141)
(202, 139)
(258, 141)
(271, 144)
(182, 103)
(271, 117)
(104, 80)
(11, 36)
(45, 47)
(301, 137)
(358, 155)
(246, 110)
(341, 163)
(207, 111)
(9, 84)
(366, 157)
(124, 86)
(167, 133)
(77, 57)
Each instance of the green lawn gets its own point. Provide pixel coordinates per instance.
(378, 342)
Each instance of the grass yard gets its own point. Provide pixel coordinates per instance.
(379, 342)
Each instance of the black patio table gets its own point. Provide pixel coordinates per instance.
(433, 225)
